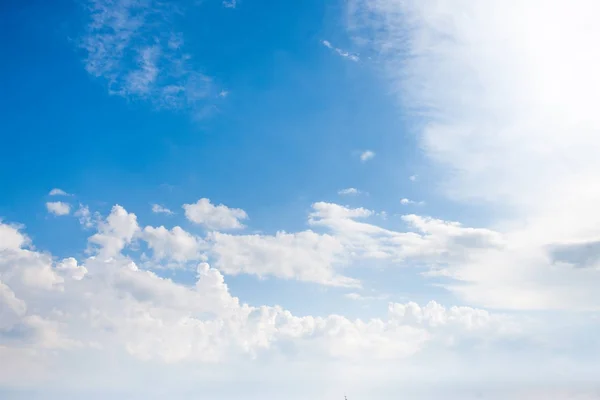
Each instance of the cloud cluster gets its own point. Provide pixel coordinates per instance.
(108, 303)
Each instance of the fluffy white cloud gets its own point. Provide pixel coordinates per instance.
(106, 307)
(58, 208)
(111, 303)
(218, 217)
(175, 244)
(366, 155)
(322, 257)
(116, 232)
(11, 238)
(305, 256)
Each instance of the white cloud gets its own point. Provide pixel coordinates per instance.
(508, 118)
(229, 3)
(112, 304)
(213, 217)
(413, 178)
(58, 208)
(340, 52)
(305, 256)
(58, 192)
(405, 201)
(116, 232)
(158, 209)
(175, 244)
(108, 310)
(134, 48)
(361, 297)
(11, 238)
(366, 155)
(349, 192)
(85, 216)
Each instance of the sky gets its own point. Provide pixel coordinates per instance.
(263, 199)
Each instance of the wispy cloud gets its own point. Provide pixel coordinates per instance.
(343, 53)
(509, 121)
(406, 201)
(350, 192)
(360, 297)
(86, 218)
(58, 192)
(158, 209)
(366, 155)
(413, 178)
(133, 46)
(230, 3)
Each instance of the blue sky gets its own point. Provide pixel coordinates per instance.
(318, 197)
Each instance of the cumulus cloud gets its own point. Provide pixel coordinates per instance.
(174, 244)
(116, 232)
(110, 303)
(58, 208)
(219, 217)
(350, 238)
(306, 256)
(107, 306)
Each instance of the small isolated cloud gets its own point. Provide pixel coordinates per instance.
(58, 192)
(343, 53)
(213, 217)
(229, 3)
(223, 93)
(359, 297)
(58, 208)
(406, 201)
(349, 192)
(158, 209)
(413, 178)
(366, 155)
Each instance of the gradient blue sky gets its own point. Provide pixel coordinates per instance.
(267, 198)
